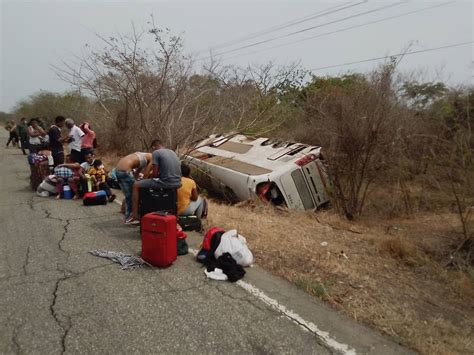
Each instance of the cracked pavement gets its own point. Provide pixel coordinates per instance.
(57, 298)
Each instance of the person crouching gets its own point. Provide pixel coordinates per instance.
(70, 173)
(189, 201)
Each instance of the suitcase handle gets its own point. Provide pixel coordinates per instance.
(162, 213)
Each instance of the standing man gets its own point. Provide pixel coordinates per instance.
(74, 140)
(166, 174)
(22, 130)
(56, 141)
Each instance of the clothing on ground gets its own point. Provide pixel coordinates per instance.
(217, 274)
(125, 260)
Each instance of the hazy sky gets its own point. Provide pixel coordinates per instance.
(37, 34)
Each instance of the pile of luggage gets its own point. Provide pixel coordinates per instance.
(224, 253)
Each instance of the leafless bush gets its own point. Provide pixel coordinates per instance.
(249, 99)
(145, 93)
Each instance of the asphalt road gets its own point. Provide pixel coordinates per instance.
(57, 298)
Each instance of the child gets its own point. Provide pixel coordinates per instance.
(99, 178)
(86, 182)
(71, 173)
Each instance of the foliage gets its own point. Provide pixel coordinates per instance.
(48, 105)
(422, 94)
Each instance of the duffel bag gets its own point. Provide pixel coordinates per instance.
(95, 198)
(190, 223)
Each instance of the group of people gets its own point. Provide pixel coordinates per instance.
(158, 168)
(33, 135)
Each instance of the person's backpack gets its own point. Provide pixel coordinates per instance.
(209, 244)
(95, 144)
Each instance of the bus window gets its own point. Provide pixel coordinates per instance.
(302, 188)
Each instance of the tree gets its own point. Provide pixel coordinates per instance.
(145, 91)
(421, 95)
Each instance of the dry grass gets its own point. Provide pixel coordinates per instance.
(385, 273)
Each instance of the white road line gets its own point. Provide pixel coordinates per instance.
(322, 335)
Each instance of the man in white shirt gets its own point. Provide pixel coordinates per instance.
(75, 140)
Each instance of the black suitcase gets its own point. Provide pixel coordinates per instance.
(158, 200)
(190, 223)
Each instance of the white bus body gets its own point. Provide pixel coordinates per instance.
(283, 173)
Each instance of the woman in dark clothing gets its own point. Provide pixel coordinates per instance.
(56, 141)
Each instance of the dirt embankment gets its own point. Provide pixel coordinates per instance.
(389, 274)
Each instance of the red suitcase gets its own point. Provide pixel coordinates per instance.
(159, 240)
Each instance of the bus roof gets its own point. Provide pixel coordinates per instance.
(253, 156)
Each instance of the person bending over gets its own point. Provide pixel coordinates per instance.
(127, 171)
(70, 172)
(166, 173)
(189, 202)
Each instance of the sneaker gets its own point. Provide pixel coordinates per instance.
(132, 221)
(112, 198)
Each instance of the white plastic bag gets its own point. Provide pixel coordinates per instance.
(236, 245)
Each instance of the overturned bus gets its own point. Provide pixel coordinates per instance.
(241, 168)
